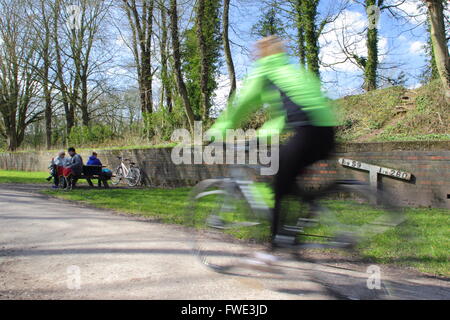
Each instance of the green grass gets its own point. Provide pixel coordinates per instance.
(428, 251)
(164, 205)
(22, 177)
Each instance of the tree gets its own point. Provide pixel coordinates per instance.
(43, 26)
(18, 78)
(431, 72)
(299, 22)
(370, 64)
(173, 13)
(439, 42)
(200, 54)
(226, 46)
(140, 18)
(81, 55)
(269, 23)
(207, 25)
(165, 79)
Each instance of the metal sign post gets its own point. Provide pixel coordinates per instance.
(374, 171)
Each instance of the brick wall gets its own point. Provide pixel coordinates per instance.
(429, 162)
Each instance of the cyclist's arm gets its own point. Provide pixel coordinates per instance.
(248, 100)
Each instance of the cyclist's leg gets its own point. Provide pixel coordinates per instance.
(308, 145)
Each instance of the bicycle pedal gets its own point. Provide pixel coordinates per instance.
(305, 223)
(215, 222)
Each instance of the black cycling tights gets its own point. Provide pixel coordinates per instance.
(308, 145)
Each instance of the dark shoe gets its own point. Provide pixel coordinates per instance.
(283, 241)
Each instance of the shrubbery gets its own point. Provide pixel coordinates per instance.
(90, 136)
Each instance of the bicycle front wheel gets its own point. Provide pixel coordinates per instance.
(349, 215)
(134, 177)
(227, 230)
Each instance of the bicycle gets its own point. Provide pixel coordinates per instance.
(232, 220)
(131, 174)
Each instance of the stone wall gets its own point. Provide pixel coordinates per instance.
(429, 163)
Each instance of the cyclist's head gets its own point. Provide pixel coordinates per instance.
(71, 151)
(269, 46)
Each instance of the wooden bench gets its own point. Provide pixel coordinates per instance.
(94, 172)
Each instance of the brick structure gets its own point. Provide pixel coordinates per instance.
(429, 163)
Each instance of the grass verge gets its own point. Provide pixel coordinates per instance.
(23, 177)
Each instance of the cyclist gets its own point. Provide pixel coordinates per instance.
(295, 102)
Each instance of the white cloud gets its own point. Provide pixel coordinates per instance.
(417, 47)
(415, 13)
(348, 31)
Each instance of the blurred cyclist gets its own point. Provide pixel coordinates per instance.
(295, 102)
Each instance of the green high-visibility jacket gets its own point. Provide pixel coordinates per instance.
(292, 94)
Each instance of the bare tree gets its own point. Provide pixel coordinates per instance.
(18, 79)
(173, 12)
(204, 67)
(42, 23)
(226, 46)
(140, 18)
(165, 79)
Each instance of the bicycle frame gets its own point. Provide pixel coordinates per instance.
(126, 171)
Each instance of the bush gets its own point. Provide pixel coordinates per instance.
(90, 136)
(160, 125)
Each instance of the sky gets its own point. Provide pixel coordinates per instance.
(401, 46)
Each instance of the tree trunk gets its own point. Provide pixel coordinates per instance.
(371, 66)
(439, 42)
(166, 91)
(48, 101)
(66, 101)
(226, 46)
(48, 117)
(204, 68)
(300, 32)
(177, 63)
(142, 29)
(309, 12)
(84, 99)
(11, 133)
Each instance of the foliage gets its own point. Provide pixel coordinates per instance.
(191, 56)
(269, 24)
(162, 123)
(90, 136)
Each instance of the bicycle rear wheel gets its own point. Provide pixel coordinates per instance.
(226, 229)
(117, 176)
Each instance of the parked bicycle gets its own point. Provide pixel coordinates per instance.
(232, 217)
(130, 174)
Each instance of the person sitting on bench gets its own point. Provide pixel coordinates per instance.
(94, 160)
(74, 165)
(57, 166)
